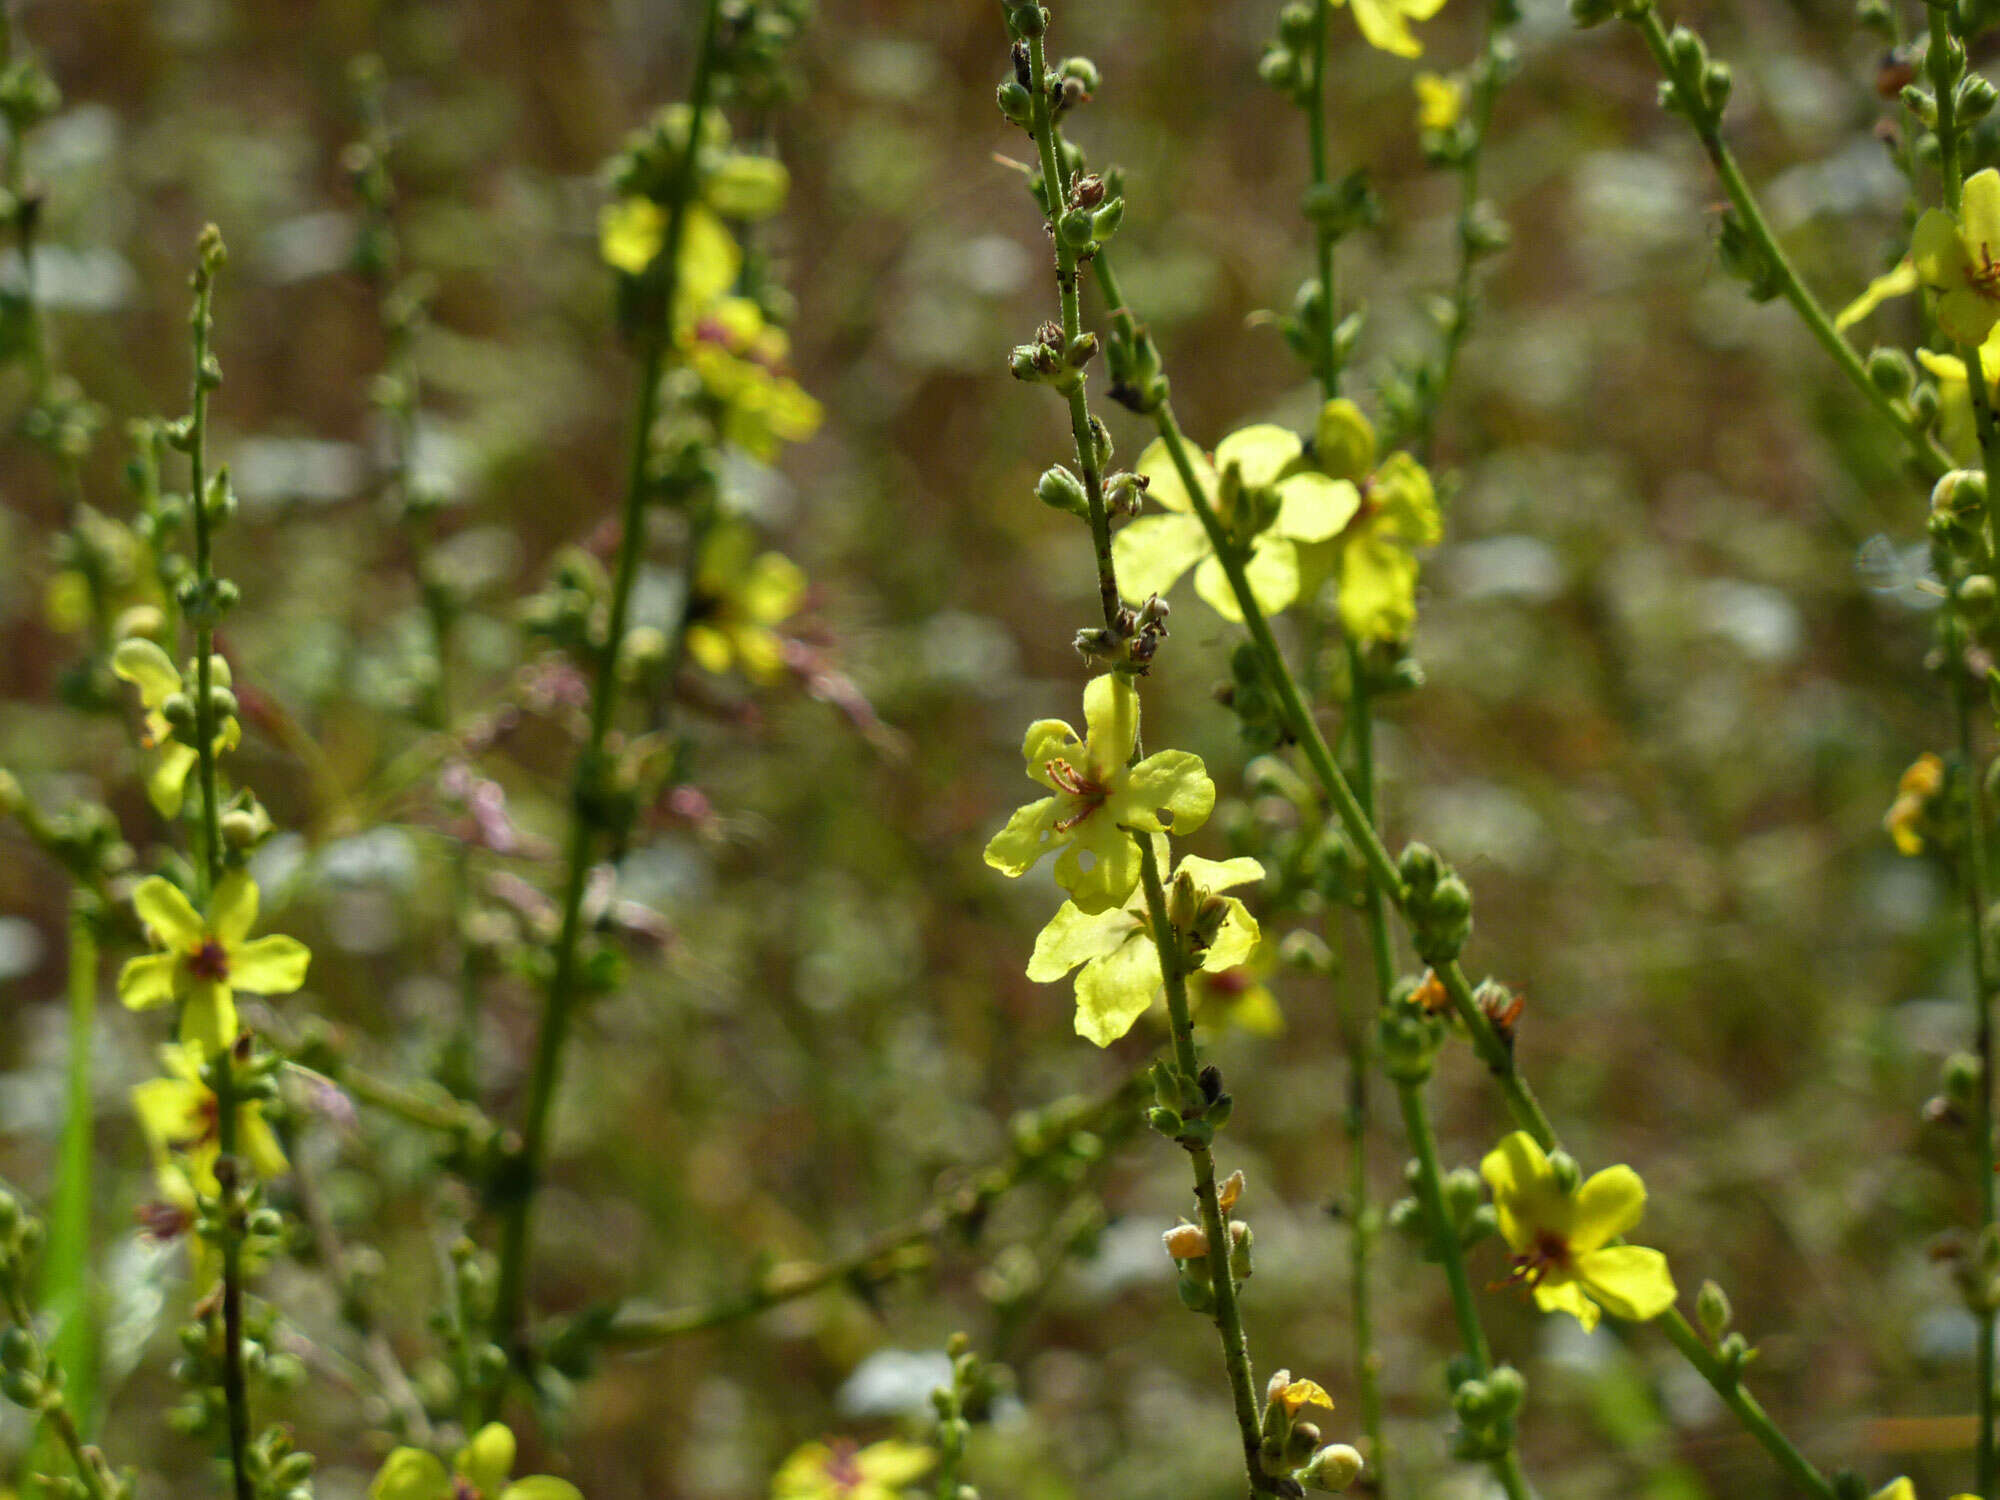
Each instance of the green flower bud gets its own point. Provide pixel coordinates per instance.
(178, 710)
(1686, 51)
(1419, 868)
(12, 799)
(1166, 1121)
(1406, 1216)
(1301, 1443)
(1585, 14)
(1961, 1078)
(1920, 102)
(1080, 351)
(1712, 1311)
(1977, 591)
(18, 1350)
(1924, 401)
(1240, 1241)
(1196, 1288)
(1076, 228)
(1105, 222)
(1975, 98)
(1715, 84)
(1508, 1388)
(1084, 71)
(1567, 1173)
(1059, 489)
(1462, 1189)
(1279, 67)
(1016, 103)
(1333, 1469)
(1473, 1402)
(1890, 372)
(1959, 493)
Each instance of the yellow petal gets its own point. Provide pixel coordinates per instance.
(1605, 1207)
(233, 908)
(1898, 281)
(168, 914)
(1631, 1281)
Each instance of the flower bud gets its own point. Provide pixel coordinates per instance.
(1461, 1189)
(12, 799)
(1712, 1311)
(1890, 372)
(1279, 67)
(1508, 1388)
(1059, 489)
(1015, 102)
(1076, 228)
(1332, 1469)
(1295, 25)
(1975, 98)
(1567, 1173)
(1186, 1242)
(1104, 223)
(1240, 1241)
(1961, 492)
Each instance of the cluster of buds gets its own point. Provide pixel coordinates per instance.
(1189, 1247)
(1486, 1406)
(1053, 359)
(1471, 1219)
(1438, 903)
(1131, 641)
(1188, 1111)
(1409, 1031)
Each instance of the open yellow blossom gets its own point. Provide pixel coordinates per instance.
(479, 1471)
(181, 1118)
(1373, 558)
(207, 959)
(143, 664)
(1440, 101)
(839, 1470)
(1955, 258)
(1385, 24)
(739, 594)
(1561, 1237)
(1099, 799)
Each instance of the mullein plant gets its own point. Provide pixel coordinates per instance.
(1564, 1232)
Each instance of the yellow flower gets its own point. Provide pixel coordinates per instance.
(1386, 23)
(1374, 558)
(1239, 994)
(478, 1472)
(1958, 430)
(631, 232)
(743, 364)
(181, 1121)
(1955, 259)
(1900, 1488)
(1262, 494)
(1914, 792)
(1440, 101)
(1561, 1236)
(144, 665)
(1100, 799)
(206, 961)
(738, 596)
(838, 1470)
(1118, 966)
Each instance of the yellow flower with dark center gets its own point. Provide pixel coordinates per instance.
(181, 1119)
(205, 960)
(840, 1470)
(1958, 258)
(1373, 559)
(743, 362)
(1100, 799)
(1561, 1236)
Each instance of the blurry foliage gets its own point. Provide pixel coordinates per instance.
(1671, 642)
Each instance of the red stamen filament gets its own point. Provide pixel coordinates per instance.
(1092, 795)
(1530, 1267)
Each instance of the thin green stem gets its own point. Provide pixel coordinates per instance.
(1928, 455)
(222, 1066)
(1055, 186)
(67, 1266)
(559, 1005)
(1361, 727)
(1327, 356)
(1980, 1125)
(1726, 1384)
(1450, 1251)
(1214, 1223)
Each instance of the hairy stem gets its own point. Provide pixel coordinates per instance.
(1214, 1224)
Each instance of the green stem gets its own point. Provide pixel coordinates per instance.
(1981, 1123)
(67, 1266)
(1055, 185)
(1929, 456)
(1506, 1464)
(1328, 353)
(1214, 1224)
(1361, 725)
(230, 1208)
(1680, 1333)
(560, 1002)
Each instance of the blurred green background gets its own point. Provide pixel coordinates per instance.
(1675, 655)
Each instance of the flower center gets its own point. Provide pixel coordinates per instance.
(463, 1488)
(1985, 277)
(209, 961)
(1550, 1252)
(1089, 794)
(843, 1467)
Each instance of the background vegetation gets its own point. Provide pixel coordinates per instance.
(1674, 658)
